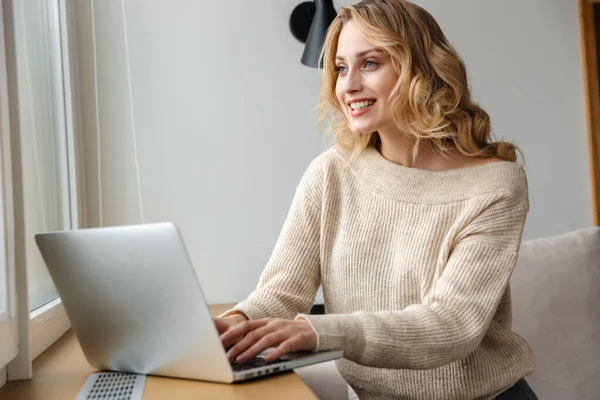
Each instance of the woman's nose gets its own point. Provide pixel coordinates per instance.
(353, 82)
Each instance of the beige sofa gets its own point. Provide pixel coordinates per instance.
(556, 300)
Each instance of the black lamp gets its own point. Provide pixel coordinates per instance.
(309, 22)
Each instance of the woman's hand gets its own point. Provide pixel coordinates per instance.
(226, 323)
(258, 335)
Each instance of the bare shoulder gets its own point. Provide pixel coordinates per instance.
(473, 161)
(460, 161)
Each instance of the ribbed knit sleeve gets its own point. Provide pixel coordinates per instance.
(451, 320)
(290, 280)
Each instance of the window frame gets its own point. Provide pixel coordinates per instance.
(46, 325)
(8, 327)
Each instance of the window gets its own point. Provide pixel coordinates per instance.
(39, 59)
(43, 135)
(46, 151)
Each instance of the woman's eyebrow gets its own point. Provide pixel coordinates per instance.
(360, 53)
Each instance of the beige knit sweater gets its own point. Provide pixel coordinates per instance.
(415, 268)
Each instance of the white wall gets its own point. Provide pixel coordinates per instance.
(223, 114)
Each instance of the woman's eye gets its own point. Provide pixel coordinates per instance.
(370, 64)
(340, 68)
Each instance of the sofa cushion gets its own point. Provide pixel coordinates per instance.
(556, 308)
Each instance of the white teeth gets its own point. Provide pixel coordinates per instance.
(362, 104)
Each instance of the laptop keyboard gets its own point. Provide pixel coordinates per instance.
(253, 363)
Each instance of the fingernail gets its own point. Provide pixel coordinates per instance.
(240, 360)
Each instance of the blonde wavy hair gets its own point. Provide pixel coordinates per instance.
(431, 100)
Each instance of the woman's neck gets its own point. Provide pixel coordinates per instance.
(398, 148)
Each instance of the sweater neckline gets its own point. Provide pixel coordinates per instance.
(433, 187)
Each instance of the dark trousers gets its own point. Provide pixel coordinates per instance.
(519, 391)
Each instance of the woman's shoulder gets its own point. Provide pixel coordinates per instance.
(475, 161)
(314, 179)
(327, 158)
(314, 175)
(479, 175)
(495, 183)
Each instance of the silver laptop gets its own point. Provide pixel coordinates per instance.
(136, 305)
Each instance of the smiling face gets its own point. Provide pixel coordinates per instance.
(365, 80)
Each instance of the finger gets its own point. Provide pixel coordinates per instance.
(233, 343)
(249, 340)
(220, 325)
(270, 340)
(240, 330)
(293, 343)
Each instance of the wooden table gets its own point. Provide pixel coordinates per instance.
(61, 371)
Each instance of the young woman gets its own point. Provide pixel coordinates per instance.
(411, 223)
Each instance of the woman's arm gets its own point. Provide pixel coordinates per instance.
(292, 275)
(452, 319)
